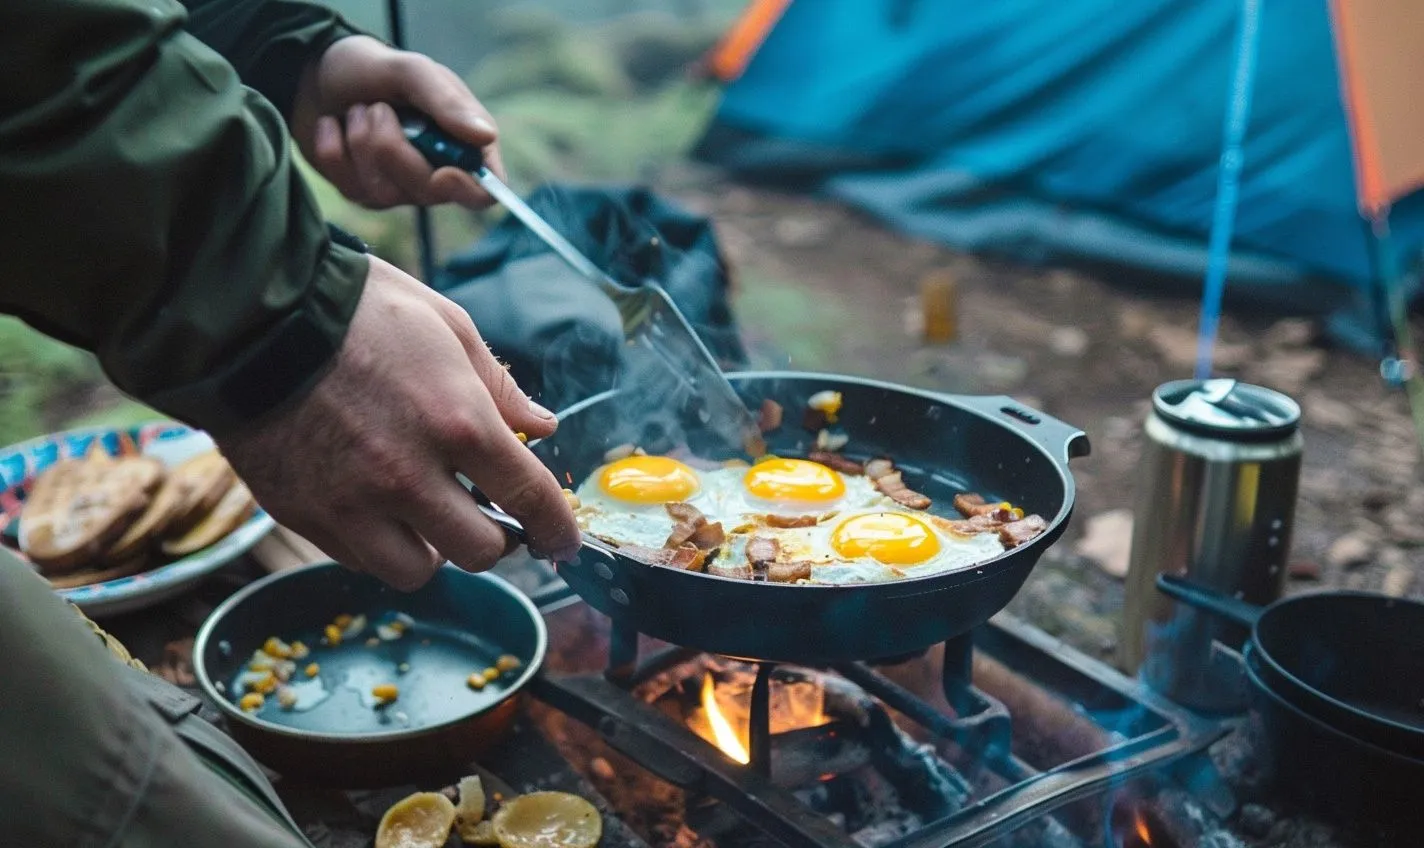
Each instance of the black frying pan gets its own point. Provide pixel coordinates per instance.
(944, 444)
(1354, 660)
(463, 623)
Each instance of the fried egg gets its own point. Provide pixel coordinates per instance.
(861, 535)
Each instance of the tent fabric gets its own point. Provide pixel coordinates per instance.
(1089, 129)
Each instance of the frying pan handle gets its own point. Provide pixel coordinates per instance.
(1210, 600)
(1060, 439)
(509, 523)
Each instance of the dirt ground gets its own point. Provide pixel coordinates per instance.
(821, 287)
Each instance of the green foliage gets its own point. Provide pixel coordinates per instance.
(33, 369)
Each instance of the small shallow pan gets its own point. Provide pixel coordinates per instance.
(944, 444)
(1354, 660)
(462, 624)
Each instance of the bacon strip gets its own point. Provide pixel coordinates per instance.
(762, 551)
(709, 536)
(770, 416)
(686, 557)
(877, 468)
(840, 463)
(970, 526)
(892, 485)
(786, 522)
(1016, 533)
(971, 504)
(691, 526)
(734, 570)
(788, 572)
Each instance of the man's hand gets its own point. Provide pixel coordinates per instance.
(346, 126)
(365, 465)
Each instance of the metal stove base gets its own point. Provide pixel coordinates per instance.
(1150, 734)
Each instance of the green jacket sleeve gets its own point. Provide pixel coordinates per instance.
(153, 213)
(269, 42)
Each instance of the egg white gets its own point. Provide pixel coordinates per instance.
(722, 497)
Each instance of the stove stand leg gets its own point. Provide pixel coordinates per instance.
(759, 723)
(957, 675)
(622, 654)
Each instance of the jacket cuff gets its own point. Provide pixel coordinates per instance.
(285, 362)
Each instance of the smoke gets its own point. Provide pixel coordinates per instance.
(637, 238)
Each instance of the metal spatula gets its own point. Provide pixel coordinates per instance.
(667, 364)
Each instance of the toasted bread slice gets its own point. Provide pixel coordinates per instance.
(201, 482)
(235, 507)
(78, 507)
(89, 576)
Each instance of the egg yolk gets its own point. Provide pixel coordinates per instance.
(893, 538)
(648, 480)
(797, 480)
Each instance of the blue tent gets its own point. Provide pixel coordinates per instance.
(1088, 129)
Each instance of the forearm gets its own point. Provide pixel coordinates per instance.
(153, 214)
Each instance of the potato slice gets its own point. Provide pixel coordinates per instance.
(235, 507)
(482, 835)
(548, 820)
(422, 820)
(470, 812)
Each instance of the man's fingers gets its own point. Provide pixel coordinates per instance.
(386, 151)
(510, 475)
(519, 412)
(446, 515)
(361, 138)
(438, 92)
(329, 156)
(391, 550)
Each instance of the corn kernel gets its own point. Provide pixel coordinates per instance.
(498, 796)
(277, 648)
(251, 702)
(342, 620)
(264, 684)
(333, 634)
(491, 674)
(300, 650)
(827, 402)
(572, 499)
(523, 439)
(286, 698)
(1016, 513)
(476, 680)
(313, 670)
(385, 692)
(373, 642)
(508, 662)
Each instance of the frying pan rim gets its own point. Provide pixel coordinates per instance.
(1256, 645)
(205, 633)
(1319, 724)
(1055, 528)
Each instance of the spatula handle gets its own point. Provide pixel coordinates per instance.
(438, 147)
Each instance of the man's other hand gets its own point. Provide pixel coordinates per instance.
(344, 120)
(365, 465)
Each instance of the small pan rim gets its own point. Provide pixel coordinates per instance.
(205, 633)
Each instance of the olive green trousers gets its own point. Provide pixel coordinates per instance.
(95, 753)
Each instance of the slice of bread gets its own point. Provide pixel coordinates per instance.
(235, 507)
(200, 481)
(78, 507)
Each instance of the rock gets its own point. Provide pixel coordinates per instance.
(1289, 333)
(1350, 550)
(1063, 281)
(1378, 498)
(1304, 570)
(1398, 580)
(1287, 371)
(1403, 527)
(1256, 820)
(1068, 341)
(1176, 345)
(1231, 356)
(1107, 541)
(1134, 322)
(1324, 485)
(1330, 414)
(1001, 372)
(801, 232)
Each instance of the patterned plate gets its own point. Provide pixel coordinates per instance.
(21, 463)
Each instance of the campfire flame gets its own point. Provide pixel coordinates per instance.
(726, 710)
(1139, 822)
(723, 736)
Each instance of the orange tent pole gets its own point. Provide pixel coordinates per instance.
(729, 59)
